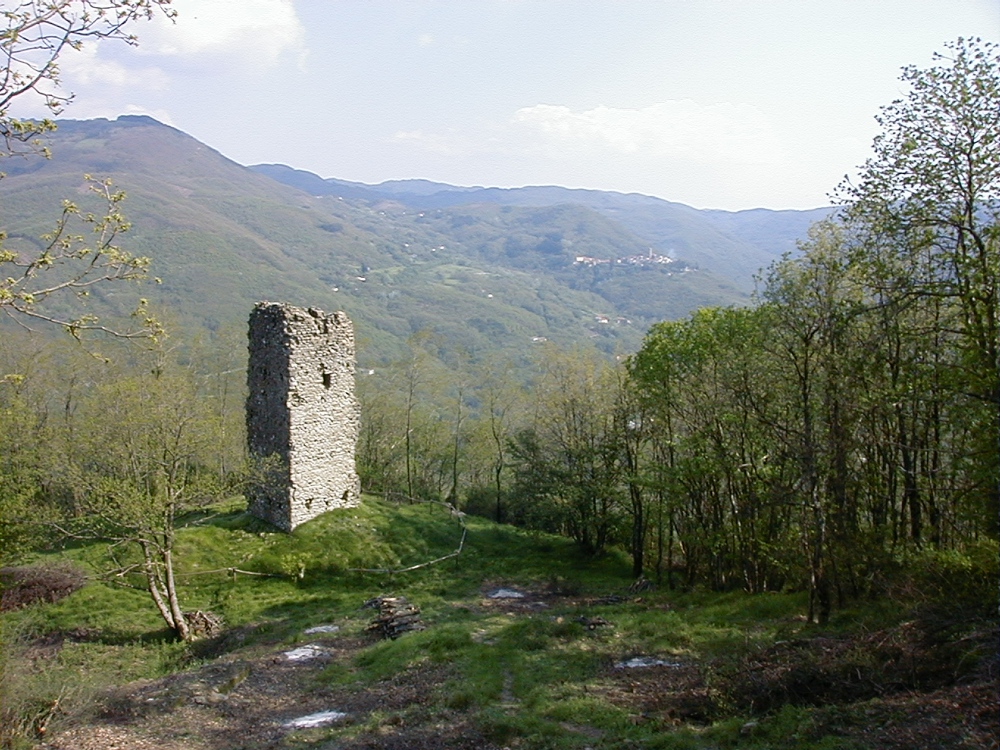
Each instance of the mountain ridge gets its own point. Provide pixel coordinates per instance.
(718, 245)
(481, 268)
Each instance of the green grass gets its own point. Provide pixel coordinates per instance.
(536, 677)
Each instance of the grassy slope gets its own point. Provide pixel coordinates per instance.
(528, 675)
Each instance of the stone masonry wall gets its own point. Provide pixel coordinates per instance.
(302, 414)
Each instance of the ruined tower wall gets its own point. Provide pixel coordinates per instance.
(302, 413)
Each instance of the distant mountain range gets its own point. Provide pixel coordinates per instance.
(481, 268)
(733, 245)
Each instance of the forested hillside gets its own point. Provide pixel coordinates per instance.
(480, 277)
(732, 245)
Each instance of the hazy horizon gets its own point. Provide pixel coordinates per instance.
(711, 103)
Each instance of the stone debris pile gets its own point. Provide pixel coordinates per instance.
(396, 616)
(640, 585)
(204, 624)
(593, 623)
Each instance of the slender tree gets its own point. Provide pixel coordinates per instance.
(929, 201)
(142, 456)
(81, 250)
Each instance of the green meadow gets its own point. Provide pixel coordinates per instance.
(546, 670)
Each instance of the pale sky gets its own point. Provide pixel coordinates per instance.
(727, 104)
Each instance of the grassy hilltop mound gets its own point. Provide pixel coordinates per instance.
(525, 643)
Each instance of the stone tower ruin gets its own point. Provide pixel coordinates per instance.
(302, 415)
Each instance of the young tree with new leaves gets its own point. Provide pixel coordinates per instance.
(81, 251)
(34, 35)
(142, 460)
(928, 205)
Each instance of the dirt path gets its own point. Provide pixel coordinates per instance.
(239, 703)
(247, 700)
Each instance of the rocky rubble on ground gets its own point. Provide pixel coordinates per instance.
(395, 617)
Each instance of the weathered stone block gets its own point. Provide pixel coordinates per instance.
(302, 414)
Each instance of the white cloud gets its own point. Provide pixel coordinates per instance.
(705, 155)
(451, 143)
(86, 67)
(157, 114)
(257, 31)
(667, 132)
(681, 129)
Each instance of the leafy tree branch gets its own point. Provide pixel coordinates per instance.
(34, 34)
(71, 262)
